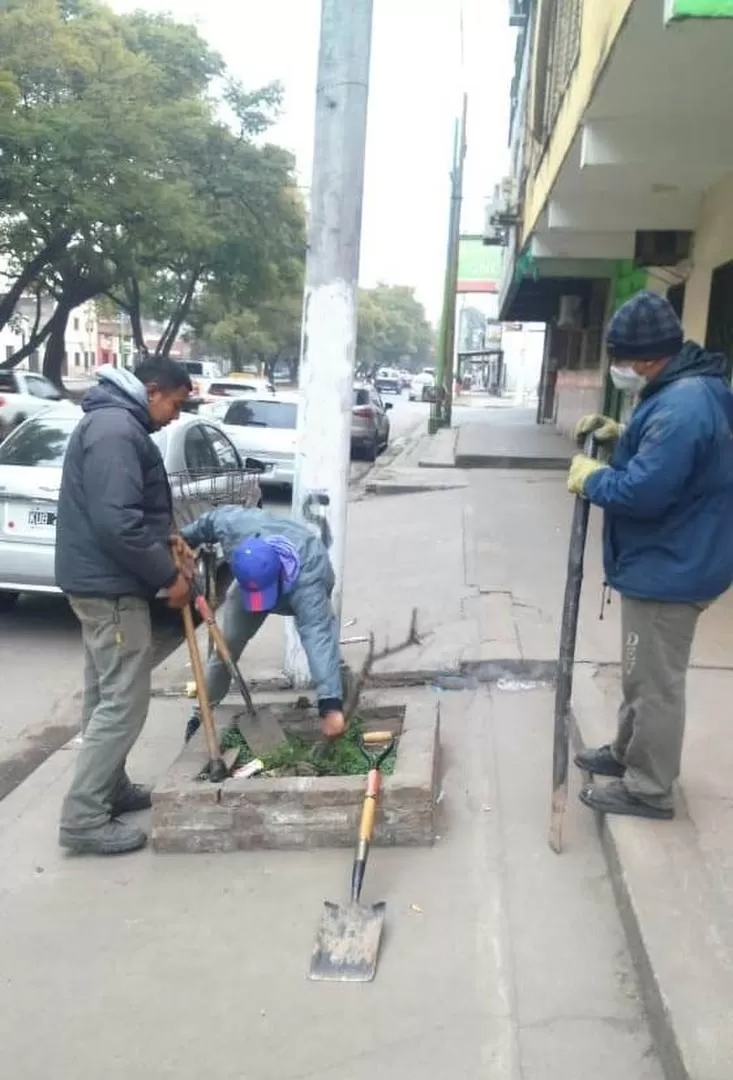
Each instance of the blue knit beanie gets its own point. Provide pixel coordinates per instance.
(646, 327)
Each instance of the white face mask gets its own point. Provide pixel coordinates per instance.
(627, 380)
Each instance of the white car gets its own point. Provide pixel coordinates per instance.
(204, 467)
(422, 386)
(223, 389)
(263, 426)
(23, 394)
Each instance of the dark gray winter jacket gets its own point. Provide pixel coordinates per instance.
(115, 512)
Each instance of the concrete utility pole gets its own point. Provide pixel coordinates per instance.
(328, 345)
(441, 410)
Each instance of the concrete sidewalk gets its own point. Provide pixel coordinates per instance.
(190, 966)
(184, 966)
(501, 960)
(511, 439)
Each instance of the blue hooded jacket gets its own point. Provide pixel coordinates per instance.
(668, 495)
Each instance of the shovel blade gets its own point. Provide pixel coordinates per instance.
(347, 943)
(262, 732)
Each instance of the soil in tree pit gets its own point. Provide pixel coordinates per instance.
(340, 757)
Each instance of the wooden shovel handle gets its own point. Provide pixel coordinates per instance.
(372, 738)
(201, 692)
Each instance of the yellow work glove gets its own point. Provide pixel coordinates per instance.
(604, 428)
(581, 468)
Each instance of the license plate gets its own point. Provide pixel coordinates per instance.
(41, 519)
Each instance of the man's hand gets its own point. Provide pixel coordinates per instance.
(333, 724)
(581, 468)
(184, 557)
(604, 428)
(179, 593)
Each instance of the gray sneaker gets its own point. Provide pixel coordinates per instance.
(112, 838)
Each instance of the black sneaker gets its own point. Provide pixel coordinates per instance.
(613, 798)
(192, 727)
(600, 762)
(112, 838)
(131, 799)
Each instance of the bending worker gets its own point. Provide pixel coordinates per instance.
(279, 566)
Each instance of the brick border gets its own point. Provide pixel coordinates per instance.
(194, 816)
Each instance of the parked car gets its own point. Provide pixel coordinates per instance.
(387, 381)
(204, 466)
(422, 387)
(264, 426)
(23, 394)
(230, 387)
(369, 423)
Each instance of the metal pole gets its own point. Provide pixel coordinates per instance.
(328, 344)
(442, 407)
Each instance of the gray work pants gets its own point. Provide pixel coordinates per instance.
(238, 627)
(118, 657)
(657, 641)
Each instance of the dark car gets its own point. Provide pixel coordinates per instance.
(388, 381)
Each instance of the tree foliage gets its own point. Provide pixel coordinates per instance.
(393, 329)
(122, 175)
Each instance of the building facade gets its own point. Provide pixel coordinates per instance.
(622, 178)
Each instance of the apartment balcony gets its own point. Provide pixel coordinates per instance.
(641, 154)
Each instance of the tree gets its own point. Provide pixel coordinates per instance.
(393, 328)
(83, 128)
(240, 238)
(120, 179)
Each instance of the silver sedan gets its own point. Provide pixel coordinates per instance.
(204, 467)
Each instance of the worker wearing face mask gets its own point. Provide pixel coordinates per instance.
(667, 493)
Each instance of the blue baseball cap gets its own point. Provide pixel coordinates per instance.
(256, 566)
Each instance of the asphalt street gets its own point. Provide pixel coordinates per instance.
(40, 653)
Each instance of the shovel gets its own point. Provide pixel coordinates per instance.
(261, 730)
(347, 942)
(216, 769)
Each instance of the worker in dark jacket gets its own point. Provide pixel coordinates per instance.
(279, 567)
(113, 554)
(668, 500)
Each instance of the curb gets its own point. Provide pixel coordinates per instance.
(511, 461)
(677, 927)
(397, 487)
(466, 676)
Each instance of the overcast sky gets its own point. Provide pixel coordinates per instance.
(417, 77)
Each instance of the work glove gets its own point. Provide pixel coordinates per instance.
(581, 468)
(604, 428)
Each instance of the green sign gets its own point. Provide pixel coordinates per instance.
(627, 281)
(698, 9)
(478, 261)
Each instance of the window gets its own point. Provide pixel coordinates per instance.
(226, 453)
(7, 383)
(559, 33)
(265, 414)
(76, 359)
(42, 388)
(198, 451)
(39, 443)
(377, 401)
(76, 324)
(8, 351)
(361, 397)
